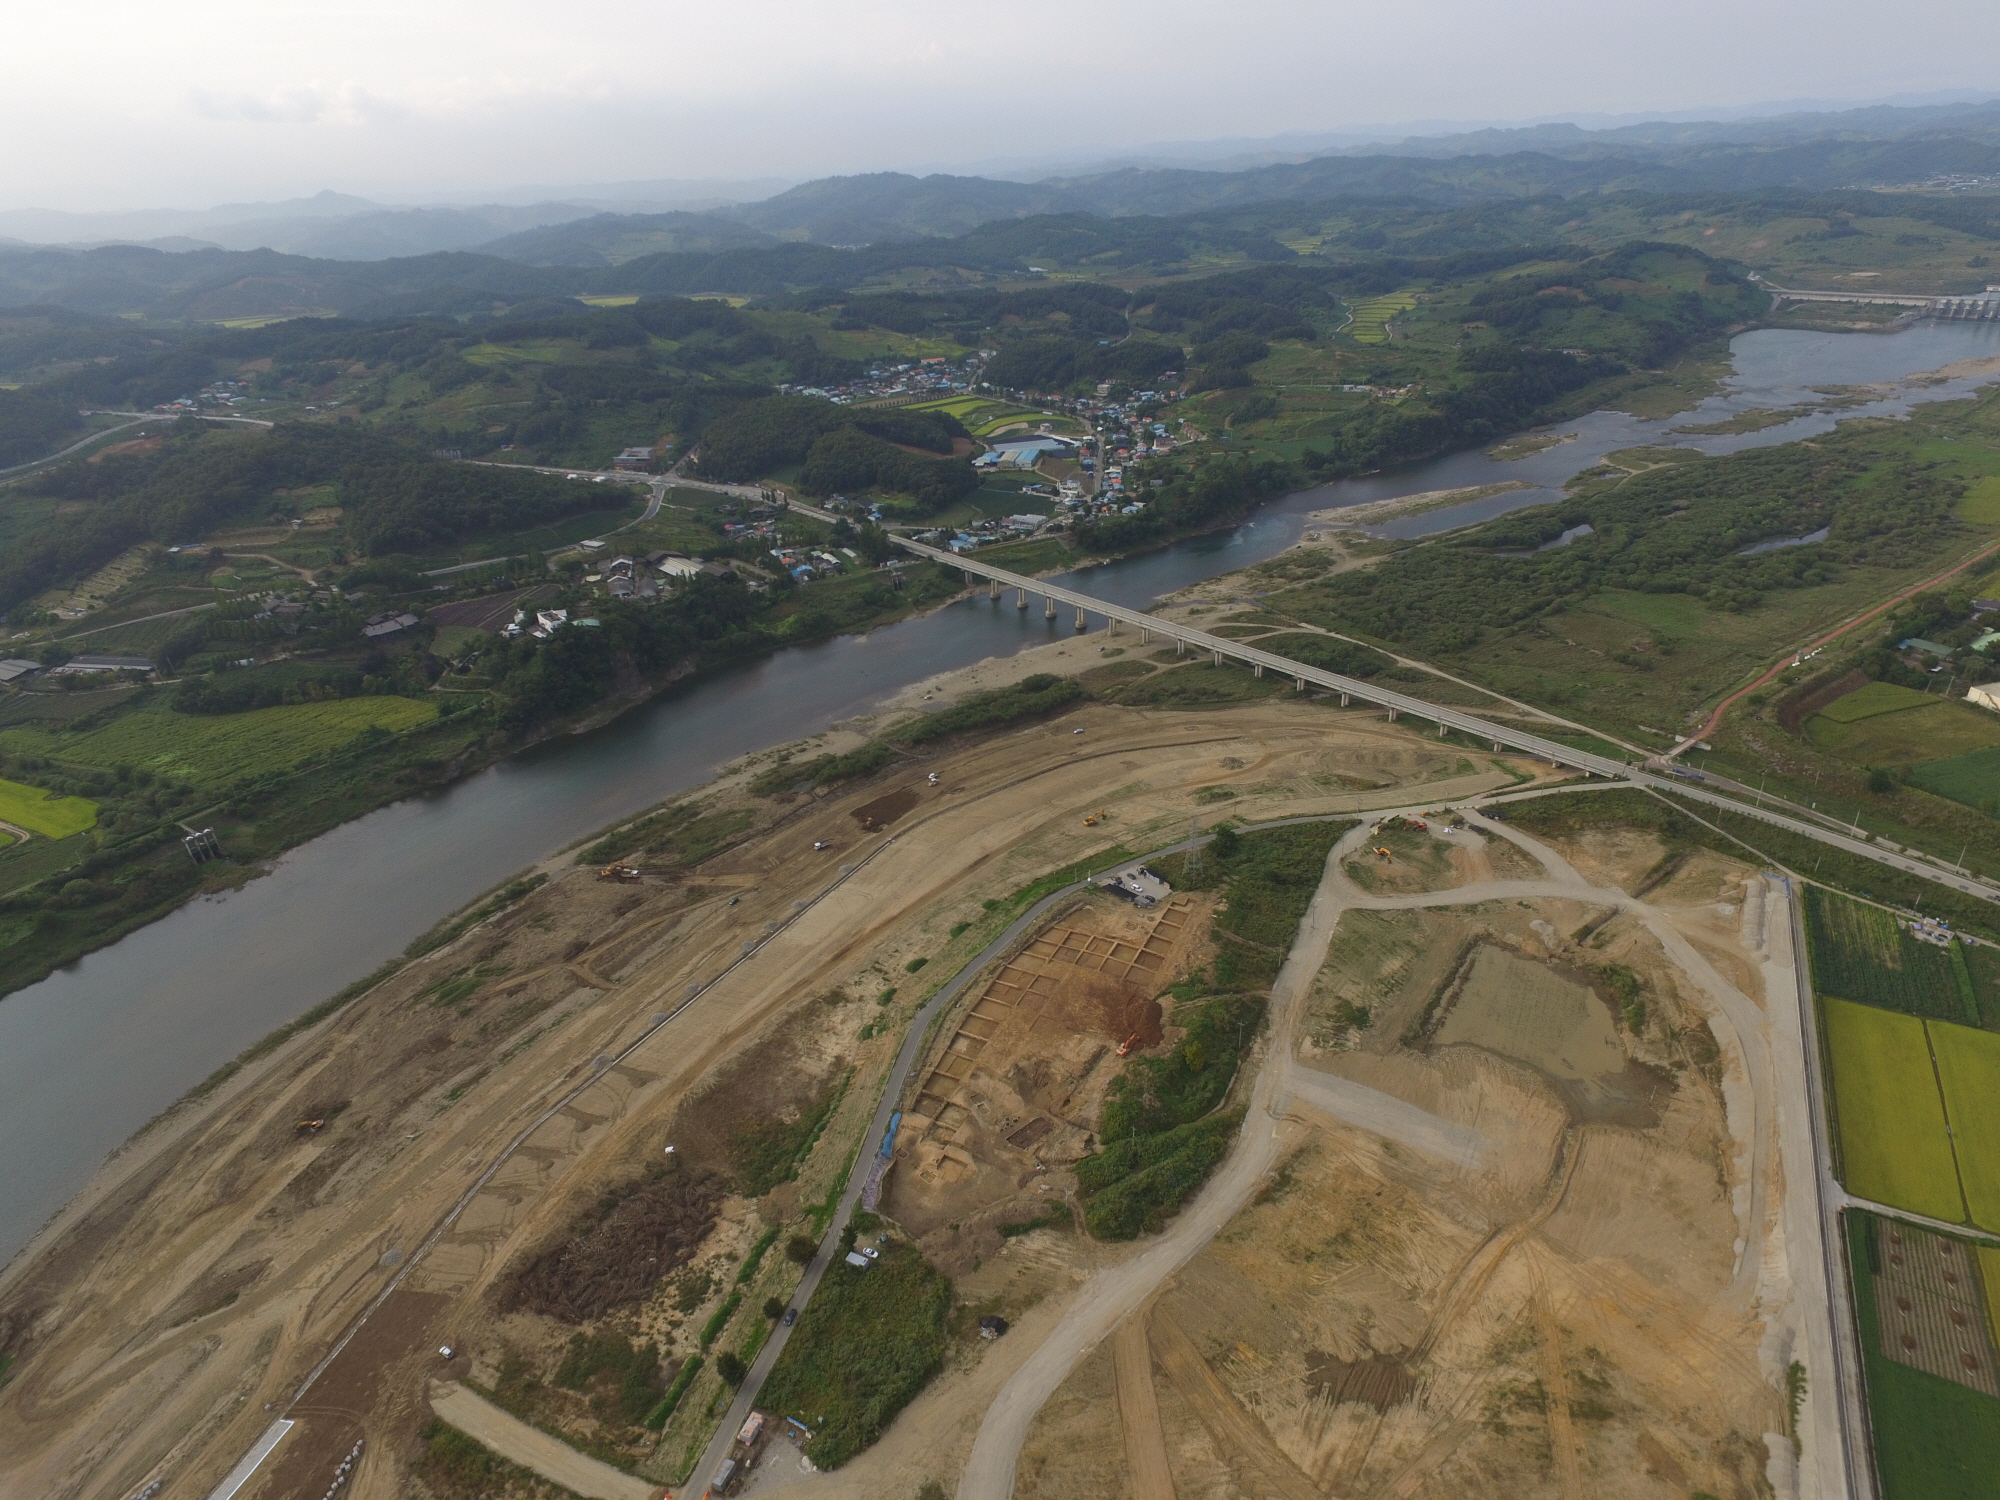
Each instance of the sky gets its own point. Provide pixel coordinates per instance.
(124, 104)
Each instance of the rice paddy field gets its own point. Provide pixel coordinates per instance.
(32, 808)
(1968, 1071)
(217, 750)
(983, 416)
(1934, 1439)
(1894, 1143)
(1371, 318)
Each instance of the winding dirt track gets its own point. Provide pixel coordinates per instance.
(1113, 1295)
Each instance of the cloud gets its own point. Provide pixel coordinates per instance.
(301, 104)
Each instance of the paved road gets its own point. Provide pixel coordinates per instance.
(871, 1142)
(139, 419)
(96, 437)
(1833, 1412)
(165, 614)
(1220, 649)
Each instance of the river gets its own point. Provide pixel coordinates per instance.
(94, 1051)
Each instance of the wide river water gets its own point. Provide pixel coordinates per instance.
(94, 1051)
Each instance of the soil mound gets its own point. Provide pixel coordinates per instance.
(618, 1251)
(1381, 1383)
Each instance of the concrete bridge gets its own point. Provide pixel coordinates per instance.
(1979, 306)
(1057, 601)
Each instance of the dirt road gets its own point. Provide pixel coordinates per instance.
(1789, 1283)
(1139, 1414)
(218, 1261)
(1385, 1115)
(510, 1437)
(1112, 1295)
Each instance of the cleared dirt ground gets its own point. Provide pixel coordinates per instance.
(1011, 1096)
(161, 1332)
(1560, 1308)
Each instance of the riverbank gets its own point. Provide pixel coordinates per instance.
(233, 1230)
(88, 1055)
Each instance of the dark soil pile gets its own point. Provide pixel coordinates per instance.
(617, 1252)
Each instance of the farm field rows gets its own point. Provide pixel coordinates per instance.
(32, 808)
(1875, 698)
(1934, 1439)
(1860, 953)
(1371, 318)
(217, 749)
(1968, 1067)
(1894, 1145)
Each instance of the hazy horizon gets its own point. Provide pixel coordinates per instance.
(220, 101)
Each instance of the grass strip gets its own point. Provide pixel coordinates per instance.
(657, 1417)
(722, 1315)
(756, 1256)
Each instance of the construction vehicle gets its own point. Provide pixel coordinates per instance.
(1384, 853)
(1095, 818)
(1125, 1047)
(623, 874)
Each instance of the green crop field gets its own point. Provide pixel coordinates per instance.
(1893, 1142)
(217, 749)
(1371, 318)
(1973, 778)
(1981, 504)
(1860, 952)
(1939, 730)
(1872, 699)
(1968, 1066)
(1934, 1439)
(35, 810)
(1989, 1274)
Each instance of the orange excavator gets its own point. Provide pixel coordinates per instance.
(1095, 818)
(1384, 853)
(1125, 1047)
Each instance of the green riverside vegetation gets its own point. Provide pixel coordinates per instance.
(1161, 1132)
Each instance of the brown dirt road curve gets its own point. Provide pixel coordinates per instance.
(507, 1435)
(1113, 1295)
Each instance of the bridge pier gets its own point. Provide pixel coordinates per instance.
(1050, 612)
(1079, 617)
(1298, 684)
(1440, 729)
(1180, 648)
(1257, 669)
(1392, 716)
(1215, 658)
(1496, 747)
(1343, 700)
(1020, 599)
(993, 588)
(1145, 636)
